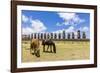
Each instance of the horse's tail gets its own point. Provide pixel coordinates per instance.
(54, 47)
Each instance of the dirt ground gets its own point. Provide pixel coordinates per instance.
(66, 50)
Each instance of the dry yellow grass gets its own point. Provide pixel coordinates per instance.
(67, 50)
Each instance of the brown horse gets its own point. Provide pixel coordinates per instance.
(35, 47)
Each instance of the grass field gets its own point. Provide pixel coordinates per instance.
(66, 50)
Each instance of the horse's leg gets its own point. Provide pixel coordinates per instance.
(54, 48)
(50, 48)
(43, 48)
(38, 53)
(35, 51)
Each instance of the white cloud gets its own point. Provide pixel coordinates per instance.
(67, 16)
(58, 31)
(70, 19)
(24, 18)
(27, 30)
(70, 29)
(58, 24)
(85, 28)
(36, 26)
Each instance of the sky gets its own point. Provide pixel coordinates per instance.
(49, 21)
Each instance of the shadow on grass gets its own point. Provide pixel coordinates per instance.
(48, 52)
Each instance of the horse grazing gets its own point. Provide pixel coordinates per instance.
(49, 43)
(34, 46)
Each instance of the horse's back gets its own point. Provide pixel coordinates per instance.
(35, 40)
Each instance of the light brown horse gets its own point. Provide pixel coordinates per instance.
(35, 47)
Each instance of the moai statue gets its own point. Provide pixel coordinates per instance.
(41, 35)
(51, 35)
(78, 34)
(38, 35)
(64, 34)
(28, 37)
(48, 36)
(44, 35)
(55, 36)
(68, 36)
(84, 35)
(73, 36)
(59, 35)
(34, 35)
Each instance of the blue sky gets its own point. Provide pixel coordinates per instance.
(47, 21)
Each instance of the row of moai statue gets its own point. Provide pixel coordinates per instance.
(57, 35)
